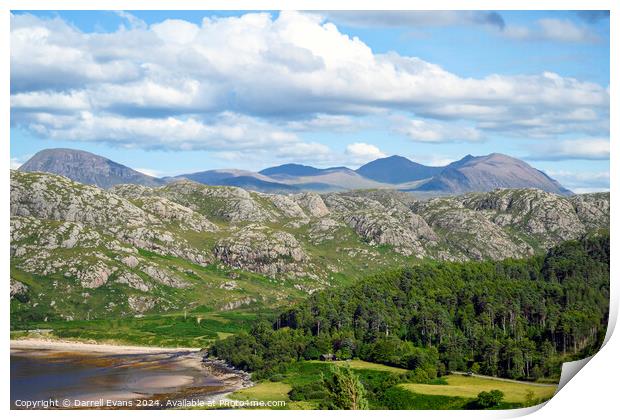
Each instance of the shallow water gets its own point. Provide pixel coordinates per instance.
(41, 375)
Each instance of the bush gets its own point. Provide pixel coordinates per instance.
(311, 391)
(397, 398)
(489, 399)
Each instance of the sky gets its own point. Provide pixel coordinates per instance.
(168, 92)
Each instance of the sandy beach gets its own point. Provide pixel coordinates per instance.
(121, 372)
(75, 346)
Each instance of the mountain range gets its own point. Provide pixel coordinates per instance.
(469, 174)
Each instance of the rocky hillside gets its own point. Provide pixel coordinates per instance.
(134, 249)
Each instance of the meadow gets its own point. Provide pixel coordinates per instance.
(470, 386)
(450, 392)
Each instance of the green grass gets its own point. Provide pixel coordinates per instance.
(170, 330)
(453, 392)
(469, 387)
(307, 372)
(263, 391)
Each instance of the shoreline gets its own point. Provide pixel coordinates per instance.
(77, 346)
(231, 379)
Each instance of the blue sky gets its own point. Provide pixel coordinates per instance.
(174, 92)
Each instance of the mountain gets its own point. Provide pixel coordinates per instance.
(486, 173)
(322, 180)
(238, 178)
(291, 170)
(78, 249)
(470, 174)
(396, 170)
(86, 168)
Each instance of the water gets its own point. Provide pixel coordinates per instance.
(84, 378)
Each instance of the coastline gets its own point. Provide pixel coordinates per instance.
(77, 346)
(231, 379)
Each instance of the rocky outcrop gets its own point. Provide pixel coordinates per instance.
(94, 276)
(18, 289)
(51, 197)
(546, 217)
(263, 250)
(287, 206)
(408, 233)
(325, 229)
(133, 280)
(237, 304)
(163, 277)
(231, 204)
(172, 212)
(140, 304)
(592, 209)
(312, 203)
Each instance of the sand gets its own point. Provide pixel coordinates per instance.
(74, 346)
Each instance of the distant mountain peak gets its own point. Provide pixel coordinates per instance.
(396, 170)
(486, 173)
(290, 169)
(86, 167)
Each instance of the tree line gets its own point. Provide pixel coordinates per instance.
(517, 319)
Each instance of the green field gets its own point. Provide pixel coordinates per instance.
(469, 387)
(192, 329)
(362, 365)
(450, 392)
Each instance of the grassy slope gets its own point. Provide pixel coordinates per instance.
(470, 387)
(191, 329)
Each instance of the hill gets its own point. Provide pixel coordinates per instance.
(86, 168)
(78, 250)
(486, 173)
(397, 170)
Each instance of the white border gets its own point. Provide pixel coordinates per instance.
(591, 395)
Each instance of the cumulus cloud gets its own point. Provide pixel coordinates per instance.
(586, 149)
(359, 153)
(256, 81)
(559, 30)
(435, 132)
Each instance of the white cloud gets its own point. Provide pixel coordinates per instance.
(359, 153)
(559, 30)
(435, 132)
(227, 131)
(177, 85)
(581, 181)
(325, 122)
(587, 149)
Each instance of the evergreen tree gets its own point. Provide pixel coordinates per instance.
(345, 390)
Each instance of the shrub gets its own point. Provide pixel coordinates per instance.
(489, 399)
